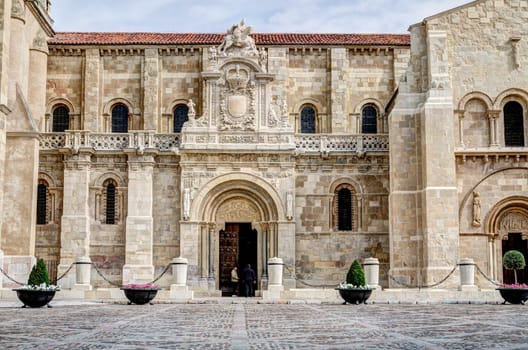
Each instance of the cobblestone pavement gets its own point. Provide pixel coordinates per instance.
(265, 326)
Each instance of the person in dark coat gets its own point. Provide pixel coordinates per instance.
(248, 276)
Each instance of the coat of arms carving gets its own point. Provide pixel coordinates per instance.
(237, 106)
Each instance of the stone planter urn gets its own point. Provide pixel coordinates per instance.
(34, 298)
(355, 295)
(514, 295)
(140, 294)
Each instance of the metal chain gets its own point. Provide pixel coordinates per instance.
(306, 283)
(486, 277)
(426, 286)
(104, 278)
(161, 275)
(10, 278)
(65, 273)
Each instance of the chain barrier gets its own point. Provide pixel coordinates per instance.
(306, 283)
(161, 275)
(486, 277)
(65, 273)
(104, 278)
(427, 285)
(10, 278)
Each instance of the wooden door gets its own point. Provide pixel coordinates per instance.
(228, 256)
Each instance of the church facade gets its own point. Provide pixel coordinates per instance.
(131, 149)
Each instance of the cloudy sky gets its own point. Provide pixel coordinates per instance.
(215, 16)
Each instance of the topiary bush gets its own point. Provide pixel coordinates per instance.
(39, 274)
(513, 260)
(356, 275)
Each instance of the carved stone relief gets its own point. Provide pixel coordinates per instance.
(238, 210)
(513, 222)
(238, 99)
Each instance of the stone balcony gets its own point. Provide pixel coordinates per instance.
(140, 140)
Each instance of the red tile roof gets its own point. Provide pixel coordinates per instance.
(73, 38)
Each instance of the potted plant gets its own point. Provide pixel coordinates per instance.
(38, 291)
(140, 293)
(516, 293)
(355, 290)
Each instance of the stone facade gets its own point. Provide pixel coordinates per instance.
(317, 149)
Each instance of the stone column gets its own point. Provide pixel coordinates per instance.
(338, 88)
(275, 287)
(139, 222)
(150, 89)
(91, 118)
(371, 266)
(37, 78)
(83, 269)
(179, 289)
(75, 221)
(493, 116)
(467, 274)
(211, 277)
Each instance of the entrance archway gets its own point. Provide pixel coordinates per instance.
(508, 229)
(235, 211)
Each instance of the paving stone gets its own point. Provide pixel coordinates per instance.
(264, 326)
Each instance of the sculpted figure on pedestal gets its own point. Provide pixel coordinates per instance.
(238, 41)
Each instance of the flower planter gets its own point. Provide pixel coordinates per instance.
(354, 296)
(514, 295)
(35, 298)
(140, 296)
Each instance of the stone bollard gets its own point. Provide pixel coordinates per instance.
(83, 267)
(275, 266)
(179, 290)
(179, 271)
(371, 266)
(467, 273)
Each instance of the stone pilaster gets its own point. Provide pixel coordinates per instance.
(139, 222)
(338, 89)
(75, 222)
(286, 250)
(150, 89)
(19, 48)
(91, 108)
(278, 65)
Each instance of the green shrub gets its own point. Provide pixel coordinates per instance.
(39, 274)
(513, 260)
(356, 275)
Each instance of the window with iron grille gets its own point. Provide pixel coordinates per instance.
(369, 120)
(308, 117)
(344, 210)
(513, 125)
(61, 119)
(120, 118)
(181, 115)
(42, 204)
(110, 204)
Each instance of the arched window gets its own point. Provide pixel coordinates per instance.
(120, 118)
(110, 204)
(308, 117)
(513, 125)
(344, 210)
(42, 204)
(369, 120)
(180, 116)
(61, 119)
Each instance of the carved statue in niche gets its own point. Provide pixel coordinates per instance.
(263, 59)
(186, 203)
(289, 206)
(238, 42)
(476, 209)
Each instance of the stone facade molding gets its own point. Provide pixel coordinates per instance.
(481, 96)
(515, 94)
(515, 209)
(235, 185)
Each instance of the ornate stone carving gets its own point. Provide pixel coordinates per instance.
(237, 41)
(263, 59)
(237, 210)
(186, 203)
(289, 205)
(513, 222)
(40, 41)
(476, 209)
(237, 106)
(17, 9)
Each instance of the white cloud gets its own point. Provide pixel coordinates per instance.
(337, 16)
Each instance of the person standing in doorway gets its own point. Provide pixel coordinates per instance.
(234, 280)
(248, 276)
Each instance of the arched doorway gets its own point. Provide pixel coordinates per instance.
(236, 219)
(238, 241)
(508, 226)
